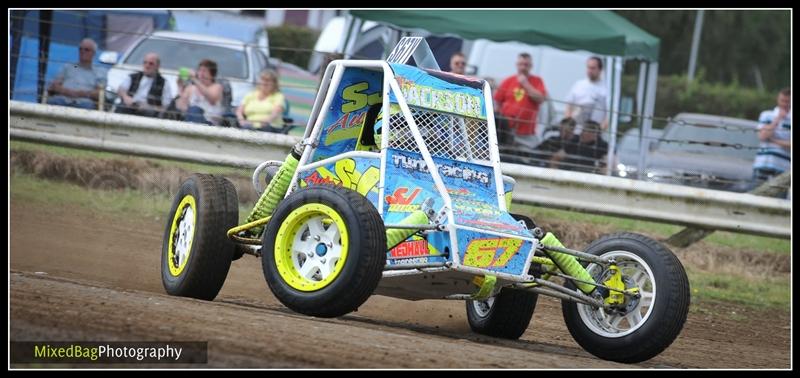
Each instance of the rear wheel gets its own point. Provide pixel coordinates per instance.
(324, 251)
(196, 253)
(506, 315)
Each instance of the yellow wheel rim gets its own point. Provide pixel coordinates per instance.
(311, 247)
(181, 234)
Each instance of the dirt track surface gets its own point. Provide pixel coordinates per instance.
(96, 278)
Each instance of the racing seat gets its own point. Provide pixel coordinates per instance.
(367, 141)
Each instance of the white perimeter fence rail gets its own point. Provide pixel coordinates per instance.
(590, 193)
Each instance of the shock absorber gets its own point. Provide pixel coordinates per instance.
(395, 236)
(276, 189)
(568, 263)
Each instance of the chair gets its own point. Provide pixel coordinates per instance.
(228, 112)
(288, 122)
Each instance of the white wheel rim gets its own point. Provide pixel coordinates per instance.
(614, 325)
(307, 255)
(482, 308)
(185, 235)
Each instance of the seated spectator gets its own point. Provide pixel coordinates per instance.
(78, 85)
(586, 151)
(556, 146)
(201, 96)
(262, 109)
(145, 93)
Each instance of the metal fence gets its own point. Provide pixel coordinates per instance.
(591, 193)
(537, 156)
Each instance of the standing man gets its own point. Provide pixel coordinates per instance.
(775, 133)
(145, 93)
(518, 99)
(586, 100)
(78, 85)
(458, 63)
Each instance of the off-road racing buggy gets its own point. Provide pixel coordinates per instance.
(396, 190)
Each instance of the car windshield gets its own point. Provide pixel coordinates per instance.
(706, 139)
(175, 54)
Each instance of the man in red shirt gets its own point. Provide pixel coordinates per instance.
(518, 99)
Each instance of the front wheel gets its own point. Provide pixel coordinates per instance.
(642, 327)
(324, 251)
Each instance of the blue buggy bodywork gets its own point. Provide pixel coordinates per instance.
(406, 139)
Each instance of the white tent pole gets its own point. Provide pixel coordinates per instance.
(640, 87)
(615, 98)
(647, 123)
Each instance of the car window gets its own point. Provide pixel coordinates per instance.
(693, 138)
(176, 54)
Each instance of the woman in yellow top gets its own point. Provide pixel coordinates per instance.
(262, 109)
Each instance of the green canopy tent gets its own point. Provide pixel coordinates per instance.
(597, 31)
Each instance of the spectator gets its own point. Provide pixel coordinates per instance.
(518, 99)
(554, 148)
(146, 92)
(458, 63)
(201, 95)
(586, 150)
(262, 109)
(586, 100)
(775, 133)
(78, 85)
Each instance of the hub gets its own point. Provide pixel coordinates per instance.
(321, 249)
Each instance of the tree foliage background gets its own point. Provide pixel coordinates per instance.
(734, 45)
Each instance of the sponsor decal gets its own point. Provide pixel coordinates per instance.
(447, 170)
(345, 175)
(415, 260)
(410, 248)
(470, 206)
(355, 100)
(440, 99)
(399, 197)
(493, 225)
(401, 202)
